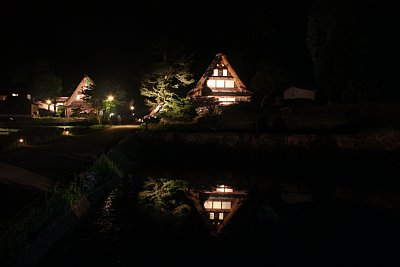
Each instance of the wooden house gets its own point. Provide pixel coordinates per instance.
(294, 92)
(17, 102)
(221, 82)
(217, 207)
(76, 101)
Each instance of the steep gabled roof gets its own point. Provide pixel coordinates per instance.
(219, 58)
(85, 82)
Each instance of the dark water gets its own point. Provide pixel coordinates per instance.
(279, 223)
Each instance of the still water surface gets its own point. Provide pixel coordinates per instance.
(233, 221)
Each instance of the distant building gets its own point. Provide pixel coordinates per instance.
(17, 102)
(221, 82)
(76, 101)
(294, 92)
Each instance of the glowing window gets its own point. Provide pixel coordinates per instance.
(229, 84)
(226, 205)
(215, 73)
(211, 215)
(3, 97)
(211, 83)
(28, 96)
(217, 205)
(14, 94)
(224, 188)
(208, 204)
(227, 99)
(221, 216)
(220, 83)
(224, 72)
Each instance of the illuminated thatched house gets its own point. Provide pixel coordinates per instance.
(76, 102)
(221, 82)
(217, 207)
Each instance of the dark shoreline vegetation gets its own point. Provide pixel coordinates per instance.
(325, 172)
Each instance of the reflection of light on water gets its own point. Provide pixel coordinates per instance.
(105, 222)
(218, 205)
(108, 204)
(224, 189)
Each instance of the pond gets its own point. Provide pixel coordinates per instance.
(223, 218)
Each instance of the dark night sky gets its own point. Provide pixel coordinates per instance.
(110, 40)
(107, 39)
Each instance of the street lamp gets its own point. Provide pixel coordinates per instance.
(48, 101)
(132, 108)
(110, 98)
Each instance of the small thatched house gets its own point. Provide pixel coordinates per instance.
(221, 82)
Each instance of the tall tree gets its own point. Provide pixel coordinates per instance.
(338, 48)
(164, 85)
(45, 84)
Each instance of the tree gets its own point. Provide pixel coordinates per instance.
(106, 98)
(45, 84)
(161, 86)
(338, 48)
(268, 82)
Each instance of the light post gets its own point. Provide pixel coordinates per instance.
(110, 98)
(48, 102)
(132, 109)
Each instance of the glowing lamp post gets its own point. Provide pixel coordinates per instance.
(132, 108)
(48, 101)
(110, 98)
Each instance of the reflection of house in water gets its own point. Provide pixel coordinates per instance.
(218, 206)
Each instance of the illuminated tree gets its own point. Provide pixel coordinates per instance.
(98, 97)
(161, 86)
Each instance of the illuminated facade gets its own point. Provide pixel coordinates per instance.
(218, 206)
(221, 82)
(76, 100)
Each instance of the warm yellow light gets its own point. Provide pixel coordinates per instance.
(48, 101)
(21, 140)
(132, 107)
(110, 98)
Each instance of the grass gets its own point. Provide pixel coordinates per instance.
(29, 222)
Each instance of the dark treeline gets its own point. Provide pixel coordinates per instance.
(346, 50)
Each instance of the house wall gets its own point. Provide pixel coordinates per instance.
(294, 93)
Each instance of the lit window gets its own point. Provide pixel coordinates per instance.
(211, 83)
(221, 216)
(215, 73)
(217, 204)
(224, 72)
(14, 94)
(227, 99)
(28, 96)
(208, 204)
(211, 215)
(3, 97)
(229, 84)
(226, 205)
(224, 188)
(220, 83)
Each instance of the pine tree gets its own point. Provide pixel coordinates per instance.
(162, 86)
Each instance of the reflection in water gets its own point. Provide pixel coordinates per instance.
(218, 206)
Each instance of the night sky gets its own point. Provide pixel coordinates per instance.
(111, 40)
